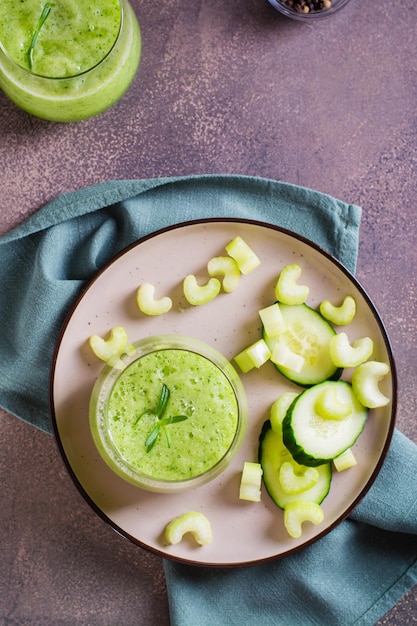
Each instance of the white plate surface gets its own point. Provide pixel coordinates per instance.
(243, 532)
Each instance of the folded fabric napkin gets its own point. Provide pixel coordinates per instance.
(354, 574)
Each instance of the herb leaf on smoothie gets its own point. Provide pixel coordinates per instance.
(162, 421)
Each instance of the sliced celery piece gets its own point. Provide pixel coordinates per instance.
(243, 254)
(111, 349)
(283, 356)
(298, 512)
(329, 406)
(226, 267)
(192, 522)
(253, 356)
(148, 304)
(365, 384)
(272, 320)
(287, 290)
(345, 461)
(343, 354)
(250, 483)
(295, 478)
(339, 315)
(200, 294)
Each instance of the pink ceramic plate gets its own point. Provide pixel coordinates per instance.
(243, 532)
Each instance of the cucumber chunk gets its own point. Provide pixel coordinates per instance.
(272, 455)
(313, 440)
(309, 335)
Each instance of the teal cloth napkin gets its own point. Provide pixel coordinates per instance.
(351, 576)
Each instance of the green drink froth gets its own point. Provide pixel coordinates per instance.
(198, 389)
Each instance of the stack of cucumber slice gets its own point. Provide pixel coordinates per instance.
(309, 431)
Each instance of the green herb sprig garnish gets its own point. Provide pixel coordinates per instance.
(162, 422)
(45, 12)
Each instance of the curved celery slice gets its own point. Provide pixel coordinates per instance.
(298, 512)
(250, 483)
(287, 290)
(272, 320)
(200, 294)
(254, 355)
(345, 461)
(329, 406)
(110, 350)
(339, 315)
(296, 478)
(243, 254)
(228, 268)
(279, 410)
(343, 354)
(148, 304)
(365, 384)
(192, 522)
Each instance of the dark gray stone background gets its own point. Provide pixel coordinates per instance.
(223, 87)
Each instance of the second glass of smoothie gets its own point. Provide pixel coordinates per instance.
(69, 60)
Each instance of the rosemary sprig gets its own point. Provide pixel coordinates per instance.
(161, 425)
(162, 422)
(45, 12)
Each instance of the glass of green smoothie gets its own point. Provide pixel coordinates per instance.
(172, 418)
(67, 60)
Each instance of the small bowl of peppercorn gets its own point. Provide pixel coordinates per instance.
(304, 10)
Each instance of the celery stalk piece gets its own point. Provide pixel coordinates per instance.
(329, 406)
(250, 483)
(345, 461)
(343, 354)
(253, 356)
(243, 254)
(365, 384)
(282, 355)
(226, 267)
(296, 479)
(192, 522)
(287, 290)
(279, 410)
(200, 294)
(272, 320)
(339, 315)
(111, 349)
(148, 304)
(298, 512)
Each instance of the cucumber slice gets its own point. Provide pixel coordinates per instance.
(272, 454)
(307, 334)
(312, 439)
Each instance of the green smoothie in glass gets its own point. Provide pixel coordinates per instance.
(67, 60)
(173, 418)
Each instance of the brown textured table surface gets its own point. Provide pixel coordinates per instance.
(223, 87)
